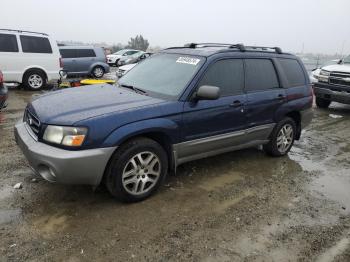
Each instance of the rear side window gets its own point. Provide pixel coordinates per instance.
(227, 74)
(86, 53)
(68, 53)
(260, 75)
(293, 72)
(8, 43)
(34, 44)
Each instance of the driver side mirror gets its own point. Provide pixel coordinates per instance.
(207, 93)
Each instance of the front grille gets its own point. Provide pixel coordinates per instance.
(337, 81)
(340, 74)
(32, 121)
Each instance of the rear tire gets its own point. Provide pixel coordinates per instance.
(322, 103)
(282, 138)
(136, 170)
(98, 72)
(34, 80)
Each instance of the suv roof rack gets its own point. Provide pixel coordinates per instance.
(23, 31)
(240, 47)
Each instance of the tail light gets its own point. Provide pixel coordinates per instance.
(61, 63)
(1, 78)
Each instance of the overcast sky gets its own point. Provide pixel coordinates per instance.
(320, 25)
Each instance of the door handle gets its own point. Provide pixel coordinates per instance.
(236, 103)
(281, 97)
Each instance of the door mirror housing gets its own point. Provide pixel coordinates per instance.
(207, 93)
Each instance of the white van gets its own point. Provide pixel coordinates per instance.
(28, 57)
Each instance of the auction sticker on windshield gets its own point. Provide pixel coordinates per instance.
(188, 60)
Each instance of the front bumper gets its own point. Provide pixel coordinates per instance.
(63, 166)
(340, 94)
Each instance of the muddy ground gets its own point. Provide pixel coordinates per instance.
(241, 206)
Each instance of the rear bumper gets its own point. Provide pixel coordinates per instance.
(63, 166)
(327, 91)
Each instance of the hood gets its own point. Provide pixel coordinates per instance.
(338, 68)
(66, 107)
(113, 56)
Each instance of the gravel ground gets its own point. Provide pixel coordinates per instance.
(241, 206)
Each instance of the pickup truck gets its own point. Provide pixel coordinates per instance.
(333, 84)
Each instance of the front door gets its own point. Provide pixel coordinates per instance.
(213, 125)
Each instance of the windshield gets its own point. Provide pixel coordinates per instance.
(120, 52)
(163, 74)
(346, 60)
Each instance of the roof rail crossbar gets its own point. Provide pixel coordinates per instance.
(22, 31)
(266, 48)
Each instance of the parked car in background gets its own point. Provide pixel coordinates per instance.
(122, 70)
(3, 92)
(29, 58)
(84, 61)
(333, 84)
(198, 101)
(113, 59)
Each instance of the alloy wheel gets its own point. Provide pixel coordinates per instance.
(35, 81)
(141, 173)
(285, 138)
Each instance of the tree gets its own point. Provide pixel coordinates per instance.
(138, 42)
(117, 47)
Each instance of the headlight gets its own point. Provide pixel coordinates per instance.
(63, 135)
(325, 73)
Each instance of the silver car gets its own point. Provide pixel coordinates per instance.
(84, 61)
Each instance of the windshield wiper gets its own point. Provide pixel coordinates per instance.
(135, 89)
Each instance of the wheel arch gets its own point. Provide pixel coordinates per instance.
(296, 116)
(36, 68)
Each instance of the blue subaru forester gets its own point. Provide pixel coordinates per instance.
(181, 104)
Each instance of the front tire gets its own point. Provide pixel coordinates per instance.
(136, 170)
(34, 80)
(98, 72)
(322, 103)
(282, 138)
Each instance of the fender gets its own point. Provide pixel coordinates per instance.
(105, 67)
(165, 126)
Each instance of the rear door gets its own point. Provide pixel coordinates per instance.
(86, 57)
(264, 96)
(211, 125)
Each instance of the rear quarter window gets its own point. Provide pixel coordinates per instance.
(34, 44)
(8, 43)
(68, 53)
(86, 53)
(293, 72)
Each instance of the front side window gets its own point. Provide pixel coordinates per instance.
(86, 53)
(164, 75)
(227, 74)
(260, 75)
(34, 44)
(293, 72)
(8, 43)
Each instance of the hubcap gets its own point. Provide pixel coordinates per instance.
(35, 81)
(141, 173)
(285, 138)
(98, 72)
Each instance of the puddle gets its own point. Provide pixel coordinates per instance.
(220, 181)
(334, 251)
(8, 216)
(51, 223)
(6, 192)
(335, 188)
